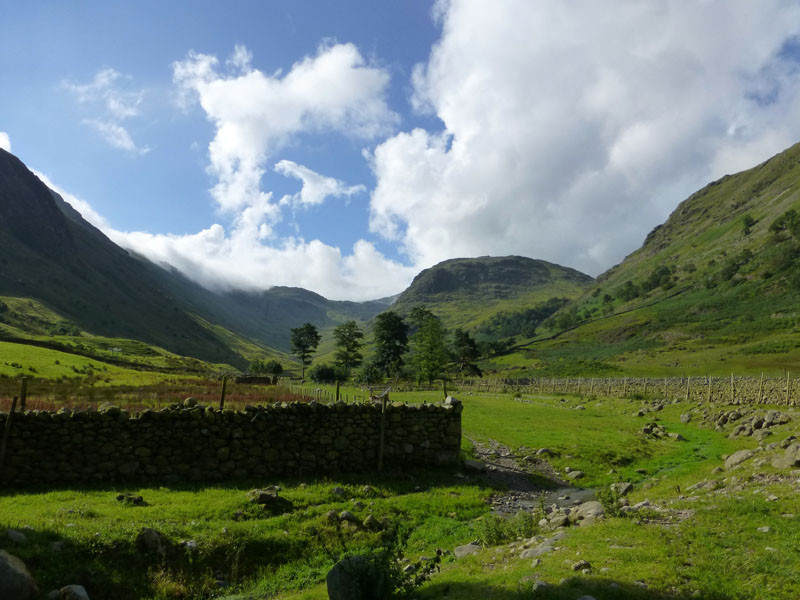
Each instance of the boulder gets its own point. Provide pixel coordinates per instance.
(593, 509)
(73, 592)
(150, 541)
(622, 488)
(466, 550)
(16, 582)
(16, 536)
(573, 475)
(356, 578)
(790, 458)
(737, 458)
(542, 548)
(474, 465)
(269, 499)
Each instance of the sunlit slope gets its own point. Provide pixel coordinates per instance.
(714, 289)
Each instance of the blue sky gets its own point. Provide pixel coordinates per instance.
(344, 146)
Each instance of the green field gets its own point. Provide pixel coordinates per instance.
(701, 543)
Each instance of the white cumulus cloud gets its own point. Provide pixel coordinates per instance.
(571, 129)
(108, 92)
(5, 141)
(316, 188)
(255, 113)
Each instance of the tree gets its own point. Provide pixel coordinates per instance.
(747, 223)
(304, 342)
(429, 343)
(267, 367)
(391, 339)
(348, 343)
(465, 353)
(323, 373)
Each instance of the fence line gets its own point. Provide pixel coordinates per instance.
(729, 390)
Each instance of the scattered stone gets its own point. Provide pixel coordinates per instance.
(331, 516)
(371, 523)
(790, 458)
(73, 592)
(16, 536)
(764, 529)
(189, 402)
(349, 517)
(269, 499)
(16, 583)
(622, 488)
(370, 492)
(543, 548)
(355, 578)
(588, 510)
(466, 550)
(544, 452)
(686, 418)
(150, 541)
(737, 458)
(642, 504)
(131, 499)
(580, 565)
(338, 492)
(536, 562)
(539, 586)
(572, 475)
(474, 465)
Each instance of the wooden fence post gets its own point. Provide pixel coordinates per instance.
(688, 387)
(708, 390)
(222, 394)
(381, 441)
(23, 394)
(337, 392)
(787, 388)
(7, 431)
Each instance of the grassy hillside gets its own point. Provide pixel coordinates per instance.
(713, 290)
(466, 292)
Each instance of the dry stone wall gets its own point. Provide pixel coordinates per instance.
(196, 443)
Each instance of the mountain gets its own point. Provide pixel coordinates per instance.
(70, 266)
(469, 292)
(713, 290)
(50, 254)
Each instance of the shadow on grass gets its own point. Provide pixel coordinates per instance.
(576, 588)
(395, 481)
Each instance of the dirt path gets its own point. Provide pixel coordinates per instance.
(526, 482)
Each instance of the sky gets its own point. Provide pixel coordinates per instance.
(345, 146)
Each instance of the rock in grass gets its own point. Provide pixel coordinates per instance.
(150, 541)
(16, 536)
(581, 565)
(622, 488)
(355, 578)
(131, 499)
(474, 465)
(73, 592)
(16, 582)
(591, 509)
(466, 550)
(737, 458)
(347, 516)
(542, 548)
(790, 458)
(269, 499)
(575, 475)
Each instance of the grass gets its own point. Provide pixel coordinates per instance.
(716, 552)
